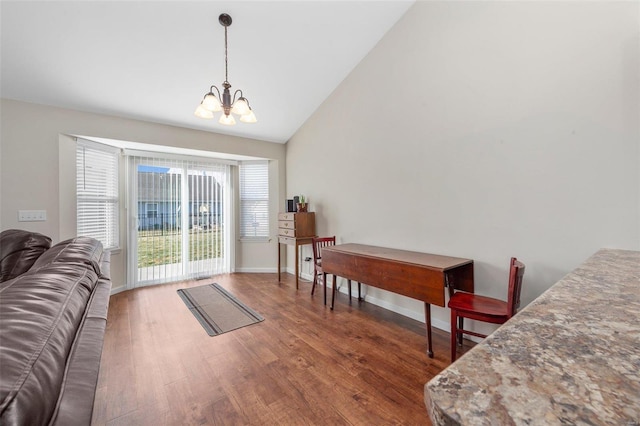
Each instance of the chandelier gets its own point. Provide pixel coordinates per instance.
(210, 103)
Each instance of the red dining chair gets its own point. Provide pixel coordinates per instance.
(318, 273)
(481, 308)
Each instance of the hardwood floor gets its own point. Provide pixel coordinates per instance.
(304, 364)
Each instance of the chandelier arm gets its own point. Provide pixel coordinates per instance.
(235, 93)
(214, 87)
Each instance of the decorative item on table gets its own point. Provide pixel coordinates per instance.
(290, 207)
(301, 204)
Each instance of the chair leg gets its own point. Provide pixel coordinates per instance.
(324, 284)
(315, 281)
(460, 327)
(454, 334)
(349, 284)
(359, 295)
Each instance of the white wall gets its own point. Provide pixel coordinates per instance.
(33, 145)
(484, 130)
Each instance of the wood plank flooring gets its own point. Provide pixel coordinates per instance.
(305, 364)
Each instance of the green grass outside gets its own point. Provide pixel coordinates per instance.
(165, 247)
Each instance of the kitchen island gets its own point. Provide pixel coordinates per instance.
(572, 356)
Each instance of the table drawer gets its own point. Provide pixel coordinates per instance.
(288, 224)
(287, 232)
(287, 240)
(286, 216)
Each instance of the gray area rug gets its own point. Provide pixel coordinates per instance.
(217, 310)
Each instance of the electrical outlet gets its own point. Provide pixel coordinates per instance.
(32, 215)
(307, 259)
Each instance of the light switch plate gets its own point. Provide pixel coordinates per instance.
(32, 215)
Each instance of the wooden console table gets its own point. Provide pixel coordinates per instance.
(295, 229)
(417, 275)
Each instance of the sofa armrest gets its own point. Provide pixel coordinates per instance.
(19, 250)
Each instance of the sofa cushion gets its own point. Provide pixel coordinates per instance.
(19, 250)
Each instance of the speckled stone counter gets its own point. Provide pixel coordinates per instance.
(571, 357)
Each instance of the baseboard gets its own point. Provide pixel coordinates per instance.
(303, 275)
(418, 316)
(116, 290)
(257, 270)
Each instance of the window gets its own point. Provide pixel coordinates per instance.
(254, 199)
(97, 192)
(152, 210)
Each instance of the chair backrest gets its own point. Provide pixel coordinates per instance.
(516, 272)
(319, 243)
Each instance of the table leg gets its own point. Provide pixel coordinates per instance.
(427, 317)
(279, 262)
(333, 292)
(297, 248)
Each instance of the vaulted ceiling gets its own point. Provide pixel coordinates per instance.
(154, 61)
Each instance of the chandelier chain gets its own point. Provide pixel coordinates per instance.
(226, 67)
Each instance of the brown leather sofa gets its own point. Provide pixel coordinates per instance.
(53, 314)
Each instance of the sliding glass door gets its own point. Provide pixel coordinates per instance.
(179, 219)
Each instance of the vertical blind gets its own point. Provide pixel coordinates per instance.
(180, 210)
(254, 199)
(97, 192)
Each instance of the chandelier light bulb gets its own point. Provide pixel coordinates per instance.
(227, 120)
(202, 112)
(250, 117)
(211, 103)
(240, 107)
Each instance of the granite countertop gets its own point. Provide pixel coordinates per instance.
(572, 356)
